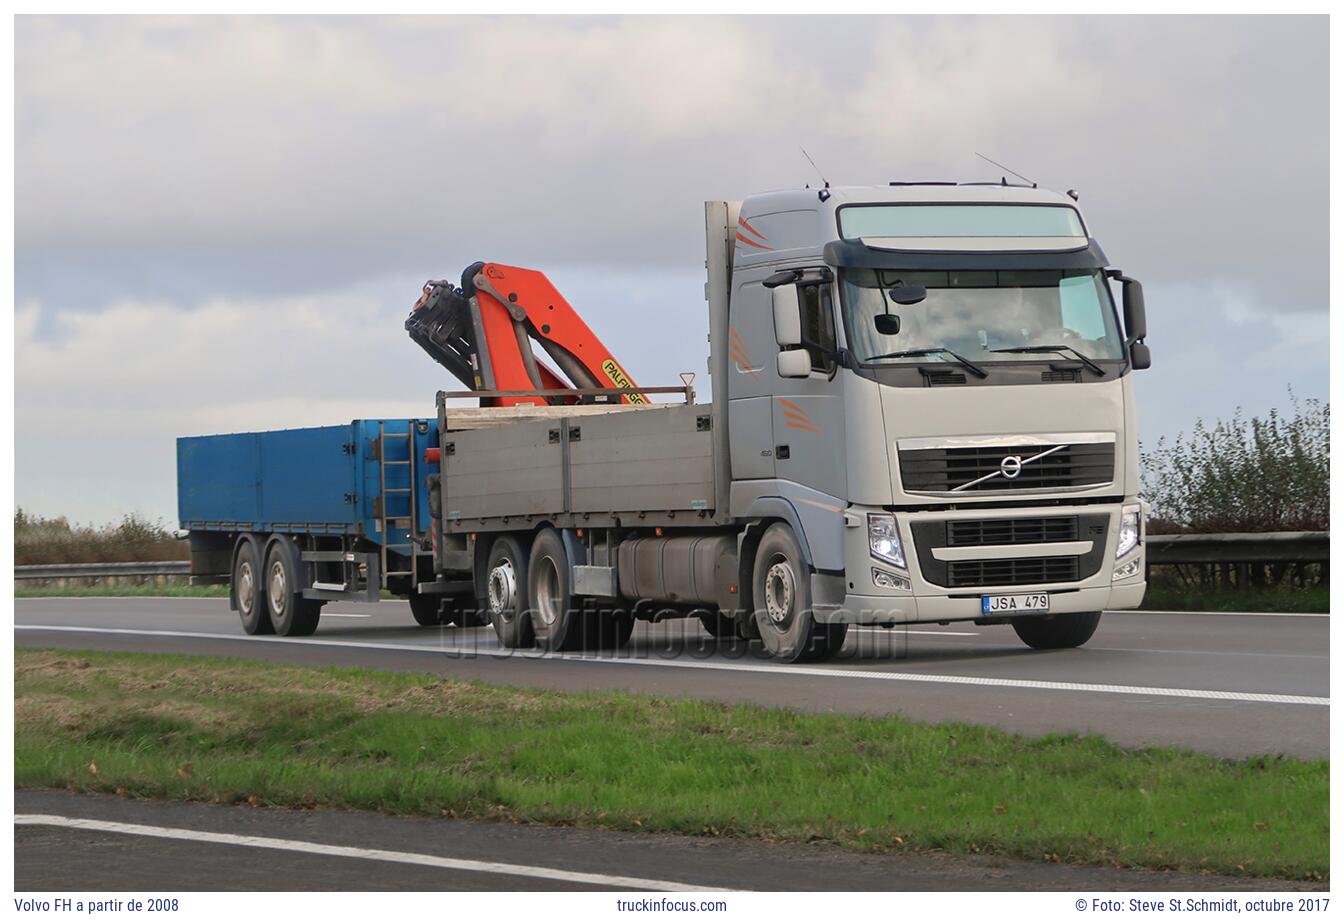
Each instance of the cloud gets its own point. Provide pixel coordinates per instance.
(375, 145)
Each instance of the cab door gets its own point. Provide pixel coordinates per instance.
(808, 412)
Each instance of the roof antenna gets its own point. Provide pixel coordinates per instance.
(825, 186)
(824, 183)
(1006, 169)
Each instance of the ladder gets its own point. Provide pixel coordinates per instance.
(388, 519)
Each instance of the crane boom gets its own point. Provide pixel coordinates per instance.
(483, 332)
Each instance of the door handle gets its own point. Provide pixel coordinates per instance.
(781, 451)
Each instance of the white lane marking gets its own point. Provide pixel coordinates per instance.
(1214, 613)
(897, 630)
(353, 616)
(324, 849)
(779, 670)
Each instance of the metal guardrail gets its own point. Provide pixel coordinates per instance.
(100, 570)
(1163, 549)
(1203, 548)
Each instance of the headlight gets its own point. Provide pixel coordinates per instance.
(884, 540)
(1129, 531)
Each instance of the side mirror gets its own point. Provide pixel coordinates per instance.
(909, 294)
(1140, 358)
(1136, 320)
(795, 363)
(887, 323)
(788, 322)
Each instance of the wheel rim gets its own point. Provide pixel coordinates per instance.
(548, 591)
(779, 593)
(502, 588)
(244, 587)
(277, 592)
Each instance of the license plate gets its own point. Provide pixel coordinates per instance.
(1015, 603)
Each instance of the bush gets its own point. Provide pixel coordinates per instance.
(50, 541)
(1244, 475)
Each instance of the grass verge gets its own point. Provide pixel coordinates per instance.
(125, 591)
(1161, 596)
(229, 731)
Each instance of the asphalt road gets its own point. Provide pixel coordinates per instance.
(1229, 684)
(69, 842)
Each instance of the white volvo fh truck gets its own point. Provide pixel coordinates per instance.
(922, 410)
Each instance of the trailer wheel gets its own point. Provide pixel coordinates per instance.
(291, 613)
(429, 609)
(248, 591)
(559, 619)
(506, 593)
(1059, 630)
(782, 591)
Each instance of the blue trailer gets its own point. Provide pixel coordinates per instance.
(295, 518)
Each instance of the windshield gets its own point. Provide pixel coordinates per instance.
(974, 313)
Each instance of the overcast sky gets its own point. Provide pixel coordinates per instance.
(221, 223)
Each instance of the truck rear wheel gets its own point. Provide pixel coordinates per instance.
(782, 591)
(718, 624)
(291, 613)
(247, 588)
(506, 593)
(1058, 630)
(559, 619)
(429, 609)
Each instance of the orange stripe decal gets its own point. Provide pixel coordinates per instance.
(802, 426)
(742, 222)
(788, 404)
(743, 239)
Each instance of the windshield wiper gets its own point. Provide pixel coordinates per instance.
(1091, 365)
(920, 352)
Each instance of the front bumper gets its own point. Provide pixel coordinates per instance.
(854, 598)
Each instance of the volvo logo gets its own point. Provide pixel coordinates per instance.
(1010, 467)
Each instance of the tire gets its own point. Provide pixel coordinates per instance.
(718, 624)
(782, 592)
(429, 609)
(248, 588)
(291, 613)
(506, 593)
(559, 619)
(1059, 630)
(614, 628)
(465, 610)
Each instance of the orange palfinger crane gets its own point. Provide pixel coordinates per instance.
(483, 332)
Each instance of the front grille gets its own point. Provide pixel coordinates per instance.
(947, 469)
(972, 573)
(1012, 531)
(936, 532)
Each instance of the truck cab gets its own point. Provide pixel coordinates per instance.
(931, 384)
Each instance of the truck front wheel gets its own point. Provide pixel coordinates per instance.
(1059, 630)
(782, 591)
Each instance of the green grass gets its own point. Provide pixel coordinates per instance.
(125, 591)
(1166, 596)
(229, 731)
